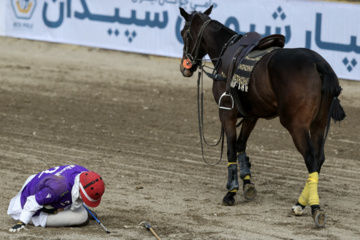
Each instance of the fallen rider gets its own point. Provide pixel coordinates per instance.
(55, 198)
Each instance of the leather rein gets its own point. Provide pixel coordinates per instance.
(192, 61)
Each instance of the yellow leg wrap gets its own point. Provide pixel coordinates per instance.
(310, 194)
(247, 177)
(304, 197)
(313, 188)
(234, 190)
(231, 163)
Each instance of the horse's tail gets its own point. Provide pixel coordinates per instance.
(330, 92)
(331, 89)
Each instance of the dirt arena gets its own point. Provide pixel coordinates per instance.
(133, 119)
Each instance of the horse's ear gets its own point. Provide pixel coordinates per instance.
(208, 11)
(184, 14)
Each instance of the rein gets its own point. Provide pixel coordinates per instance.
(199, 37)
(188, 63)
(200, 103)
(214, 75)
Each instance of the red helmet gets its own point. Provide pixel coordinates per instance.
(92, 187)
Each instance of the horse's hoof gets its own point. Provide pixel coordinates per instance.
(229, 199)
(320, 218)
(250, 192)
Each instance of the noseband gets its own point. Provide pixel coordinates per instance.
(192, 57)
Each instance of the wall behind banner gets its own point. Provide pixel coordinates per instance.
(153, 26)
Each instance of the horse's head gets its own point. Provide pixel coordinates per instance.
(193, 51)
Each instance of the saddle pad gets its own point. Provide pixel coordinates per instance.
(242, 75)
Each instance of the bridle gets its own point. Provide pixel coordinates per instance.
(192, 59)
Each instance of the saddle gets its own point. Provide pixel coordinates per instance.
(235, 54)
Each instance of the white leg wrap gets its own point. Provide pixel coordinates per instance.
(297, 210)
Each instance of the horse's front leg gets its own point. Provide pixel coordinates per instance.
(249, 189)
(228, 121)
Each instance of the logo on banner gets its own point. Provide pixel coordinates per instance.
(349, 64)
(128, 34)
(279, 13)
(23, 9)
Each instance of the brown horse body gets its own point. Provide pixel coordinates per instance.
(296, 85)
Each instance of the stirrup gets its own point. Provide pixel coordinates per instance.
(232, 101)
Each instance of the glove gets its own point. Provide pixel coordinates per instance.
(18, 227)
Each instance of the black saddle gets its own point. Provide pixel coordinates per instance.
(234, 55)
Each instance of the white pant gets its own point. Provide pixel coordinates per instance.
(67, 218)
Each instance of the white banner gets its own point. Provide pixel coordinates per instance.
(153, 26)
(2, 19)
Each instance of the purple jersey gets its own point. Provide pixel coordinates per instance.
(53, 186)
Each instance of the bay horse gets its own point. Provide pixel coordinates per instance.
(296, 85)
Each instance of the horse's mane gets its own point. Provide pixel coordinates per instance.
(222, 26)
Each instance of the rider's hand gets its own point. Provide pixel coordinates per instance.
(18, 227)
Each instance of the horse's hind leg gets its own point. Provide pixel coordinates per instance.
(317, 131)
(249, 189)
(317, 137)
(309, 194)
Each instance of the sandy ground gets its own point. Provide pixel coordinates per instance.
(133, 119)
